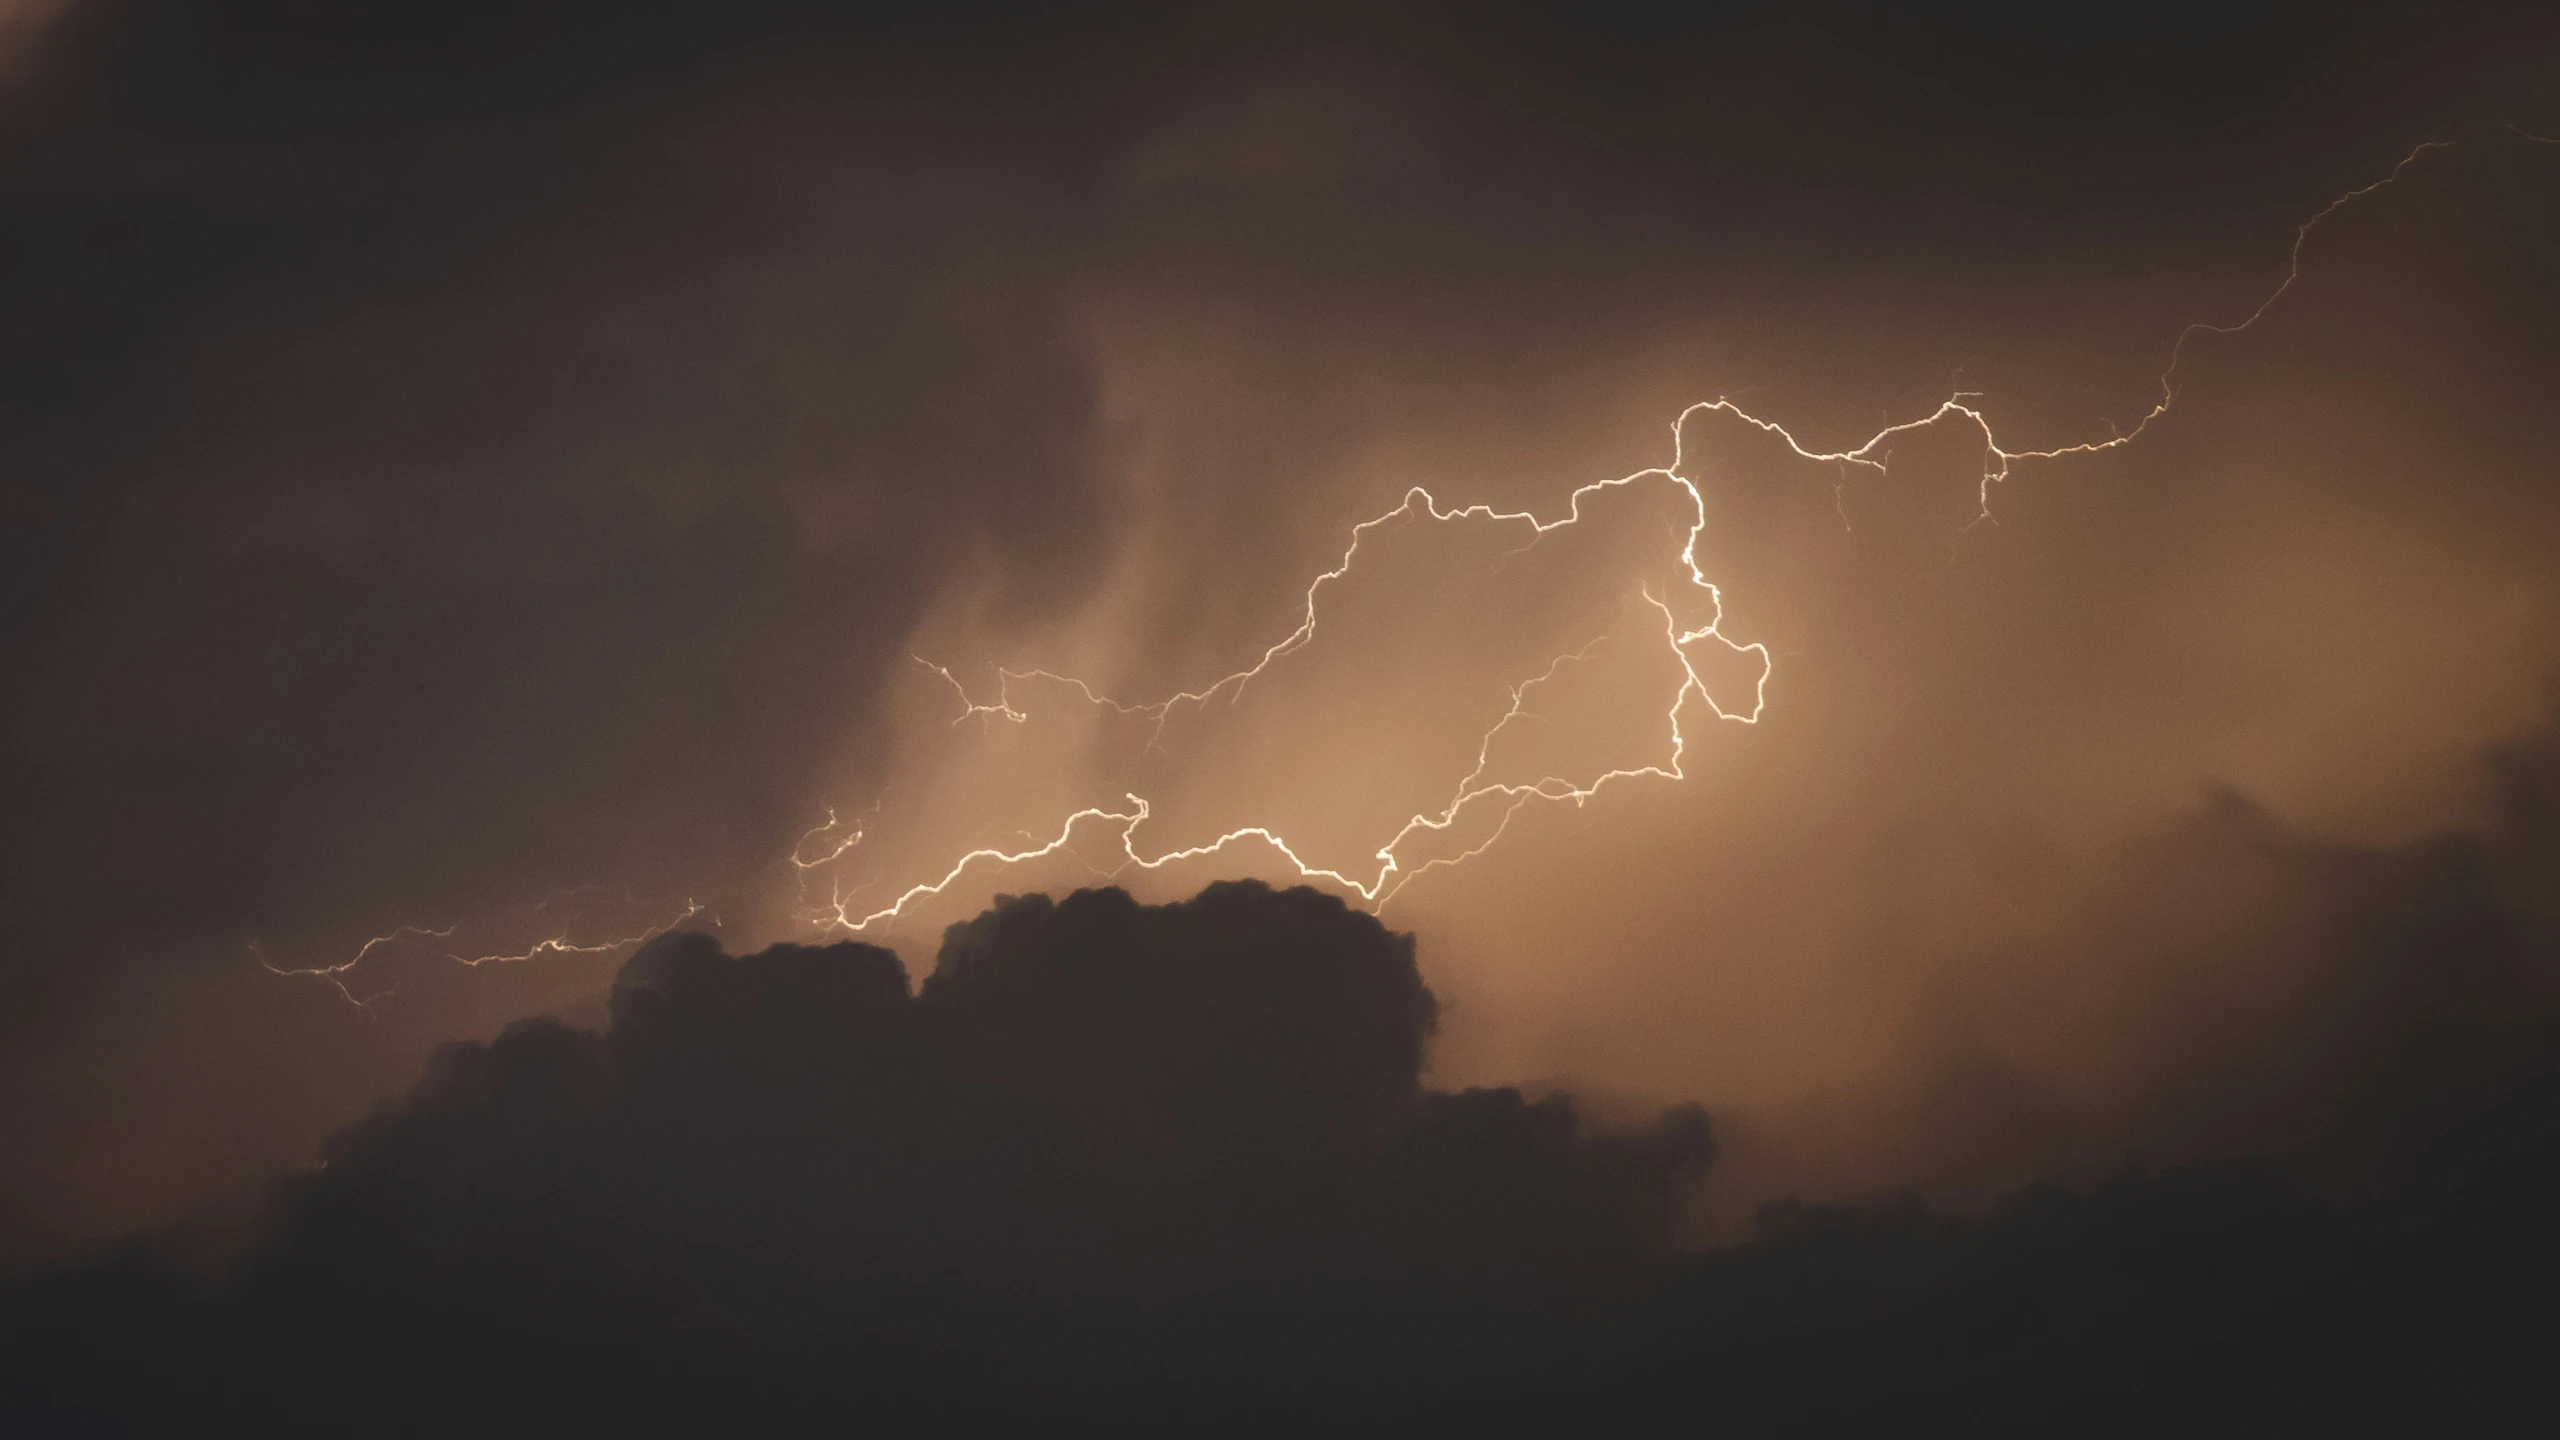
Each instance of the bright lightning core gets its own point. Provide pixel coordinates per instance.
(1488, 649)
(1480, 661)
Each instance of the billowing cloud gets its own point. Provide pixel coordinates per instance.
(1099, 1139)
(1176, 1166)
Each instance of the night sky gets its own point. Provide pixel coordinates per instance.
(539, 538)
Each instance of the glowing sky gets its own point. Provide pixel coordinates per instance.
(510, 489)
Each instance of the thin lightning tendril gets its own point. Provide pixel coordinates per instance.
(337, 974)
(843, 845)
(559, 944)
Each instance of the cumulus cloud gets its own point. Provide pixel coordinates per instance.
(1177, 1165)
(1100, 1143)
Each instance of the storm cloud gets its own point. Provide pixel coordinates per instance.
(1170, 1166)
(478, 480)
(1102, 1148)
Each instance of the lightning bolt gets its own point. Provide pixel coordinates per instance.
(1393, 869)
(1391, 873)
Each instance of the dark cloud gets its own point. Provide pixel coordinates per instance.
(1101, 1145)
(1175, 1166)
(2375, 1019)
(380, 430)
(451, 443)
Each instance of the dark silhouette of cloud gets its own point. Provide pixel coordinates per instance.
(1102, 1146)
(1176, 1166)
